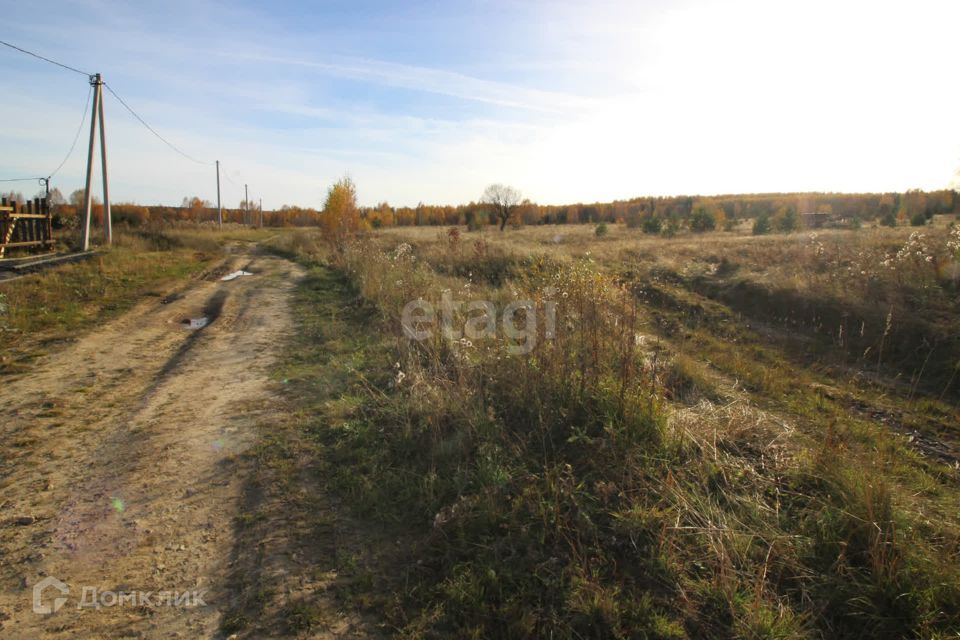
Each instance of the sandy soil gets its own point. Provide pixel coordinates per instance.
(121, 465)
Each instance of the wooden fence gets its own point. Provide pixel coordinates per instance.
(27, 225)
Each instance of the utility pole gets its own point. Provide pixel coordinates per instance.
(246, 205)
(261, 213)
(219, 209)
(96, 112)
(87, 194)
(107, 220)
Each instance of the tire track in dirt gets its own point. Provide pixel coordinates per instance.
(121, 459)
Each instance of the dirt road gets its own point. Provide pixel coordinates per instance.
(121, 462)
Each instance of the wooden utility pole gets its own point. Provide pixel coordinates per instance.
(246, 205)
(261, 213)
(219, 209)
(96, 113)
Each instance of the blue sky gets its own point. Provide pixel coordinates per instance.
(432, 101)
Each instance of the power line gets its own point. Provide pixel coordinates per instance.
(227, 176)
(152, 130)
(37, 55)
(83, 118)
(76, 137)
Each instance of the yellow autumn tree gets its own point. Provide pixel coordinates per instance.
(719, 216)
(341, 217)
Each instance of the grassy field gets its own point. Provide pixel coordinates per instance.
(717, 435)
(722, 435)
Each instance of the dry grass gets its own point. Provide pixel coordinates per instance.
(675, 462)
(53, 305)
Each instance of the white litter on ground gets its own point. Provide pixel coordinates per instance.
(235, 275)
(196, 323)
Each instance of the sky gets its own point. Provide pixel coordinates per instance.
(417, 101)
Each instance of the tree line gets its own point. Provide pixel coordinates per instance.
(501, 205)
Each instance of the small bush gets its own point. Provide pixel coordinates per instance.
(761, 225)
(475, 220)
(702, 220)
(787, 220)
(601, 230)
(653, 224)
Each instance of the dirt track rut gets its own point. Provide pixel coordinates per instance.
(120, 459)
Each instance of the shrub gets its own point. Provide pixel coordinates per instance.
(601, 229)
(653, 224)
(918, 220)
(702, 220)
(475, 220)
(453, 237)
(761, 225)
(787, 220)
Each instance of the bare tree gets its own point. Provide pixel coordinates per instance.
(56, 198)
(503, 200)
(77, 199)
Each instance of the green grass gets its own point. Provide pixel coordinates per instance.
(62, 302)
(290, 510)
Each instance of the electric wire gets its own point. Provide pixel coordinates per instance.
(37, 55)
(227, 176)
(152, 130)
(83, 118)
(76, 137)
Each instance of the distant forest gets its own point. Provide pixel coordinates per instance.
(652, 214)
(686, 210)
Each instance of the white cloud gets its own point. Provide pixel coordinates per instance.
(433, 80)
(594, 102)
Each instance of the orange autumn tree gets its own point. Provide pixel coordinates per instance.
(341, 217)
